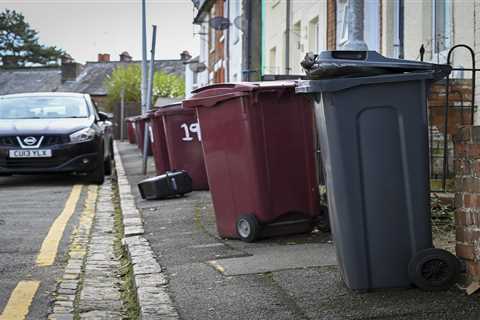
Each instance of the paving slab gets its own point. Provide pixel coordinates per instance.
(281, 258)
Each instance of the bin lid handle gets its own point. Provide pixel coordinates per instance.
(211, 101)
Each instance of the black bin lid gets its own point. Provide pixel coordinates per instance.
(333, 64)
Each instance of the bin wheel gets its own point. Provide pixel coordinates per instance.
(433, 269)
(248, 228)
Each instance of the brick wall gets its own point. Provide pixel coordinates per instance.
(331, 24)
(467, 197)
(459, 95)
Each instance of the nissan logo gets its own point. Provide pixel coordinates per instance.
(30, 141)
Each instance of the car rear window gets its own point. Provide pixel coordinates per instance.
(43, 107)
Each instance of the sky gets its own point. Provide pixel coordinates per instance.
(84, 28)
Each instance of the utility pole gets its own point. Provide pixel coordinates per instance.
(252, 49)
(144, 57)
(146, 138)
(122, 113)
(355, 26)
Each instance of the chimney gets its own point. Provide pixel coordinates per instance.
(125, 57)
(103, 57)
(70, 69)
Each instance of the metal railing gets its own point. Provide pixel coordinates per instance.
(446, 123)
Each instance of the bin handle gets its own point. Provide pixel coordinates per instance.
(211, 101)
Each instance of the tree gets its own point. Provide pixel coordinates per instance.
(19, 43)
(128, 78)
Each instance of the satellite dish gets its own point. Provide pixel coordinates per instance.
(197, 67)
(219, 23)
(240, 22)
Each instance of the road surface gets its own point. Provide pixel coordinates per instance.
(37, 216)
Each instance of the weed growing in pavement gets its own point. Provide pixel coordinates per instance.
(442, 215)
(129, 295)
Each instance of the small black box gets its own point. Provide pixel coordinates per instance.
(170, 184)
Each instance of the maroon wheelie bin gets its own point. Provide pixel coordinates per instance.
(131, 130)
(183, 140)
(159, 145)
(259, 148)
(140, 122)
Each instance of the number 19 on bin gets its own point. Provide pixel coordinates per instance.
(190, 130)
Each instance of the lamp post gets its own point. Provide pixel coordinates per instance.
(355, 26)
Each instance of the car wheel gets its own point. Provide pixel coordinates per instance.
(248, 228)
(433, 269)
(112, 155)
(108, 166)
(98, 175)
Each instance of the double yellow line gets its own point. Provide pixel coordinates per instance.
(19, 302)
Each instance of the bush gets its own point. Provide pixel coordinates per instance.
(130, 78)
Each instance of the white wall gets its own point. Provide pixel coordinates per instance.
(419, 30)
(235, 41)
(203, 58)
(303, 13)
(202, 77)
(189, 85)
(275, 24)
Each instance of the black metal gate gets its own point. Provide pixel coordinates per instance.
(462, 107)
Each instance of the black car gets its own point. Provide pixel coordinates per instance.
(54, 133)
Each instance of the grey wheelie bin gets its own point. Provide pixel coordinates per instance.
(373, 135)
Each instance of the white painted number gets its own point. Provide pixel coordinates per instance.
(193, 128)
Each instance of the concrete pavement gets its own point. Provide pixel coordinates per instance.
(277, 278)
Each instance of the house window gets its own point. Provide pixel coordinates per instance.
(195, 78)
(212, 32)
(371, 27)
(442, 25)
(398, 29)
(237, 15)
(314, 36)
(372, 24)
(341, 25)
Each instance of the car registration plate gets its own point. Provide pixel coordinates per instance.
(30, 153)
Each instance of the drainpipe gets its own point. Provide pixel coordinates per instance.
(247, 41)
(287, 39)
(355, 24)
(401, 30)
(227, 45)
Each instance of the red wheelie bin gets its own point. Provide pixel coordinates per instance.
(131, 130)
(183, 141)
(140, 122)
(159, 145)
(259, 148)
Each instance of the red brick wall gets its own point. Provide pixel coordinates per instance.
(460, 93)
(331, 24)
(219, 51)
(467, 197)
